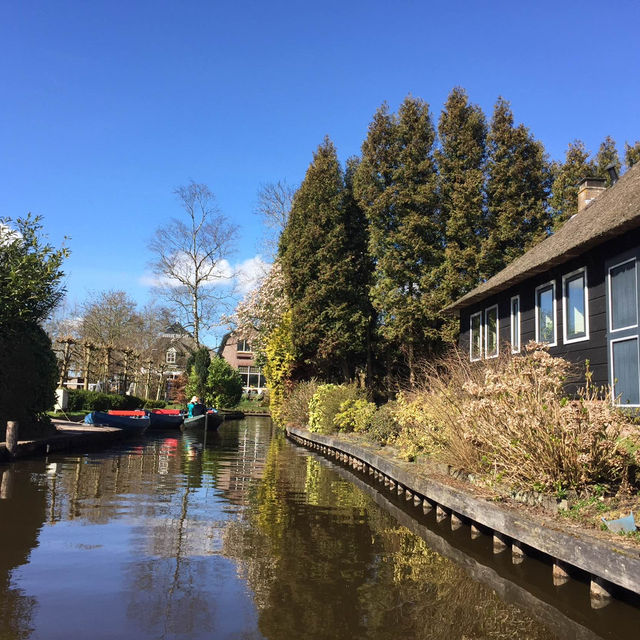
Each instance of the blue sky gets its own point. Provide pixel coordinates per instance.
(108, 106)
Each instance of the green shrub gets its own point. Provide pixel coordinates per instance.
(153, 404)
(383, 426)
(326, 404)
(28, 373)
(295, 407)
(85, 400)
(355, 414)
(224, 385)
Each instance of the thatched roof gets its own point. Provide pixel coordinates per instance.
(610, 215)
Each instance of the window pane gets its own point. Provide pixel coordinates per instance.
(492, 331)
(545, 315)
(625, 371)
(476, 336)
(253, 380)
(515, 324)
(575, 294)
(624, 303)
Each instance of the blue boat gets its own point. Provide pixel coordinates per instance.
(132, 425)
(164, 420)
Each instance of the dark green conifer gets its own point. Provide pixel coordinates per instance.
(577, 166)
(325, 266)
(607, 155)
(631, 154)
(461, 160)
(518, 189)
(396, 187)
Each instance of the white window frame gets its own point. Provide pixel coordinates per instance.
(613, 384)
(546, 285)
(471, 317)
(486, 333)
(566, 339)
(515, 324)
(610, 290)
(244, 343)
(173, 353)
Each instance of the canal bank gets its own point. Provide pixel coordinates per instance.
(69, 436)
(612, 569)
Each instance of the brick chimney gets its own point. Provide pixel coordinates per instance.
(589, 189)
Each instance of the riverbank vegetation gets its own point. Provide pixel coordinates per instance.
(30, 288)
(508, 421)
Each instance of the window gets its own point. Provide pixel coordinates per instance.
(252, 377)
(546, 313)
(475, 329)
(625, 371)
(171, 356)
(575, 306)
(491, 332)
(623, 302)
(243, 345)
(515, 324)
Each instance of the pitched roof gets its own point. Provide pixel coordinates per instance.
(611, 214)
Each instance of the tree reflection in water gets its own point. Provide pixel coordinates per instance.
(328, 563)
(161, 531)
(22, 515)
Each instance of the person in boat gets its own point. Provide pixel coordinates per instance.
(196, 407)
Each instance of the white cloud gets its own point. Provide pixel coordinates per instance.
(246, 275)
(249, 272)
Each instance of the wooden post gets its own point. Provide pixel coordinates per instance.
(560, 575)
(12, 437)
(6, 484)
(500, 542)
(517, 552)
(600, 593)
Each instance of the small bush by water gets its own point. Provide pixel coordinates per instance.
(510, 420)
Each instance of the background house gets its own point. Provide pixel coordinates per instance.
(235, 348)
(577, 291)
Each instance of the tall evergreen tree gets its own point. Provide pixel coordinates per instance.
(518, 189)
(461, 160)
(395, 185)
(631, 154)
(607, 155)
(577, 166)
(325, 267)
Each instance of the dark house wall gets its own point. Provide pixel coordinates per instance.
(594, 349)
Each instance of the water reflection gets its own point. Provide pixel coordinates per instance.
(236, 535)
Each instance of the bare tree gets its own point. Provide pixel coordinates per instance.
(274, 204)
(190, 259)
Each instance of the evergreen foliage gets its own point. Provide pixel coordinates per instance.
(224, 384)
(198, 368)
(395, 185)
(577, 166)
(607, 155)
(326, 272)
(631, 154)
(461, 160)
(518, 189)
(30, 274)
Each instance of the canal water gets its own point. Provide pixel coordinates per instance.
(244, 535)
